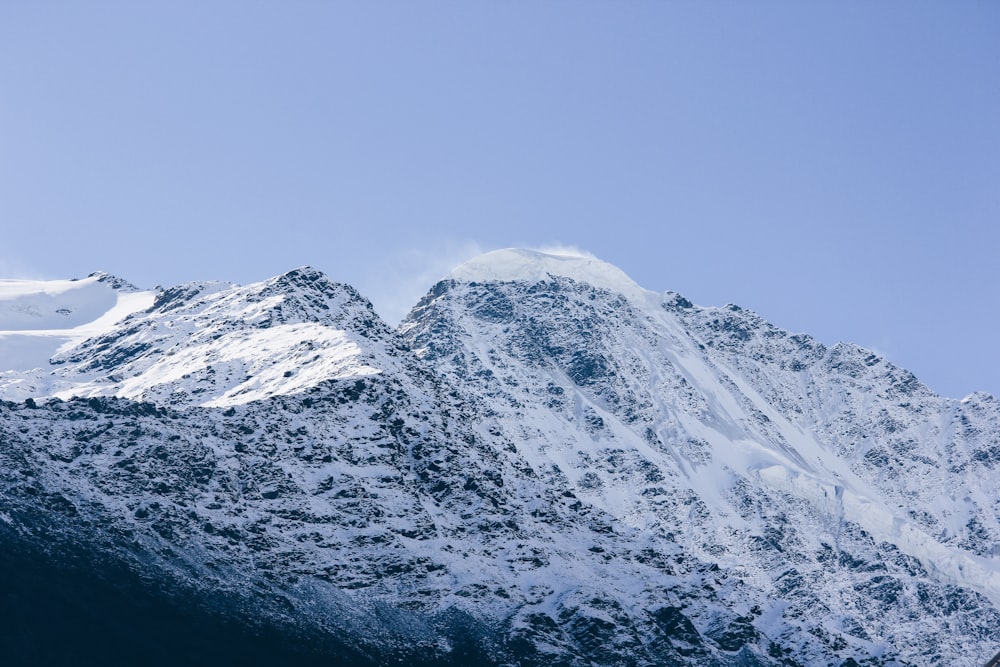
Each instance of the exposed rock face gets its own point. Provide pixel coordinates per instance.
(545, 464)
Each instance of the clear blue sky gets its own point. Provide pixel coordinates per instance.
(833, 166)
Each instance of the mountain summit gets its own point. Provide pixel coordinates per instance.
(544, 464)
(520, 265)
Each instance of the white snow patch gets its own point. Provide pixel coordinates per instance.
(40, 318)
(952, 565)
(564, 250)
(522, 265)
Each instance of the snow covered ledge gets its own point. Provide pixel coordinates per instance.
(951, 565)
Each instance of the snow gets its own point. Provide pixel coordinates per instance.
(213, 345)
(53, 304)
(40, 318)
(523, 265)
(952, 565)
(284, 359)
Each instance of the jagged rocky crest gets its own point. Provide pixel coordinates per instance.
(544, 464)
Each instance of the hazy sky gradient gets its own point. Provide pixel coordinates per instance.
(832, 166)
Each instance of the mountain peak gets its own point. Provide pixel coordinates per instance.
(524, 265)
(113, 281)
(302, 275)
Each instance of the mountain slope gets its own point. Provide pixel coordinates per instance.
(713, 429)
(545, 464)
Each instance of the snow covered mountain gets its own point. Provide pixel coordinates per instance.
(544, 464)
